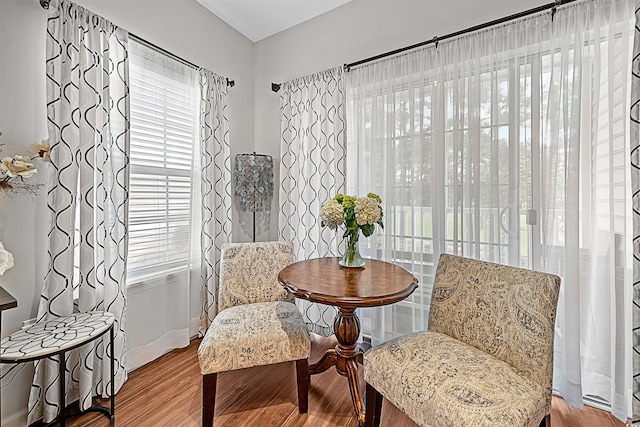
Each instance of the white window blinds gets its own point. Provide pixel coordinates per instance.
(164, 115)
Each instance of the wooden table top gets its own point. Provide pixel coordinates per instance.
(7, 301)
(323, 280)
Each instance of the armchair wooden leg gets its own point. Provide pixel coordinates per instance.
(303, 385)
(373, 407)
(546, 421)
(208, 398)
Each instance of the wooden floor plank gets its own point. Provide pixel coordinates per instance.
(167, 392)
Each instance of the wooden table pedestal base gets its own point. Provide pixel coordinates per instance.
(346, 356)
(324, 281)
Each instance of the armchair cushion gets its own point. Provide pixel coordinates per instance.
(253, 335)
(439, 381)
(505, 311)
(249, 273)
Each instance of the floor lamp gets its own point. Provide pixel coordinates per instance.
(253, 177)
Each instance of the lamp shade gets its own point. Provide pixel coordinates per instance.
(253, 177)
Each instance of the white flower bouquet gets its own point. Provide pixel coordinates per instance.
(17, 170)
(6, 259)
(356, 214)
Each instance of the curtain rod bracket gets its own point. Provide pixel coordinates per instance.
(275, 87)
(346, 68)
(554, 9)
(435, 41)
(45, 4)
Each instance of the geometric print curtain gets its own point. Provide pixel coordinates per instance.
(313, 170)
(215, 168)
(87, 113)
(635, 191)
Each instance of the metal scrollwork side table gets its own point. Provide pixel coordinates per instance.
(54, 338)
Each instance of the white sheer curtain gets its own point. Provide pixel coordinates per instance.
(163, 252)
(215, 188)
(510, 145)
(87, 112)
(312, 151)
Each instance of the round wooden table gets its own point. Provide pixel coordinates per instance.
(323, 280)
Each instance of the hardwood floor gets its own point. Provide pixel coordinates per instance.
(167, 392)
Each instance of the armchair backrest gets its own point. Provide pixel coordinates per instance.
(505, 311)
(249, 273)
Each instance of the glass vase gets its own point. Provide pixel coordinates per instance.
(352, 257)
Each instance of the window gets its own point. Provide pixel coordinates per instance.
(470, 158)
(164, 122)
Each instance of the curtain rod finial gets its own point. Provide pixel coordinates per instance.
(231, 83)
(45, 4)
(275, 87)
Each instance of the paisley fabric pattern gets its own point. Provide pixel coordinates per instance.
(505, 311)
(487, 359)
(254, 335)
(258, 323)
(439, 381)
(249, 273)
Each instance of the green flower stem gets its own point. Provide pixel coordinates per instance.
(351, 247)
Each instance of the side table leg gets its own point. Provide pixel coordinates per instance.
(328, 360)
(347, 329)
(0, 372)
(113, 385)
(63, 405)
(352, 379)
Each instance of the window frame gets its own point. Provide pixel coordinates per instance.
(175, 175)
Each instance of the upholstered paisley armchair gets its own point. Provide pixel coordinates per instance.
(487, 357)
(257, 324)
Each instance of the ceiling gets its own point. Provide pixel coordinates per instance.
(259, 19)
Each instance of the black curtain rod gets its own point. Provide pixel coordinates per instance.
(436, 39)
(347, 67)
(230, 83)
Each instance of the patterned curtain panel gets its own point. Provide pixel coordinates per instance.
(635, 189)
(215, 164)
(87, 110)
(313, 159)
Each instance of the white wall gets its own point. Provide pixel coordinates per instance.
(22, 228)
(182, 27)
(357, 30)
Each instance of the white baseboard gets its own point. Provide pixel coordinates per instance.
(142, 355)
(18, 419)
(194, 327)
